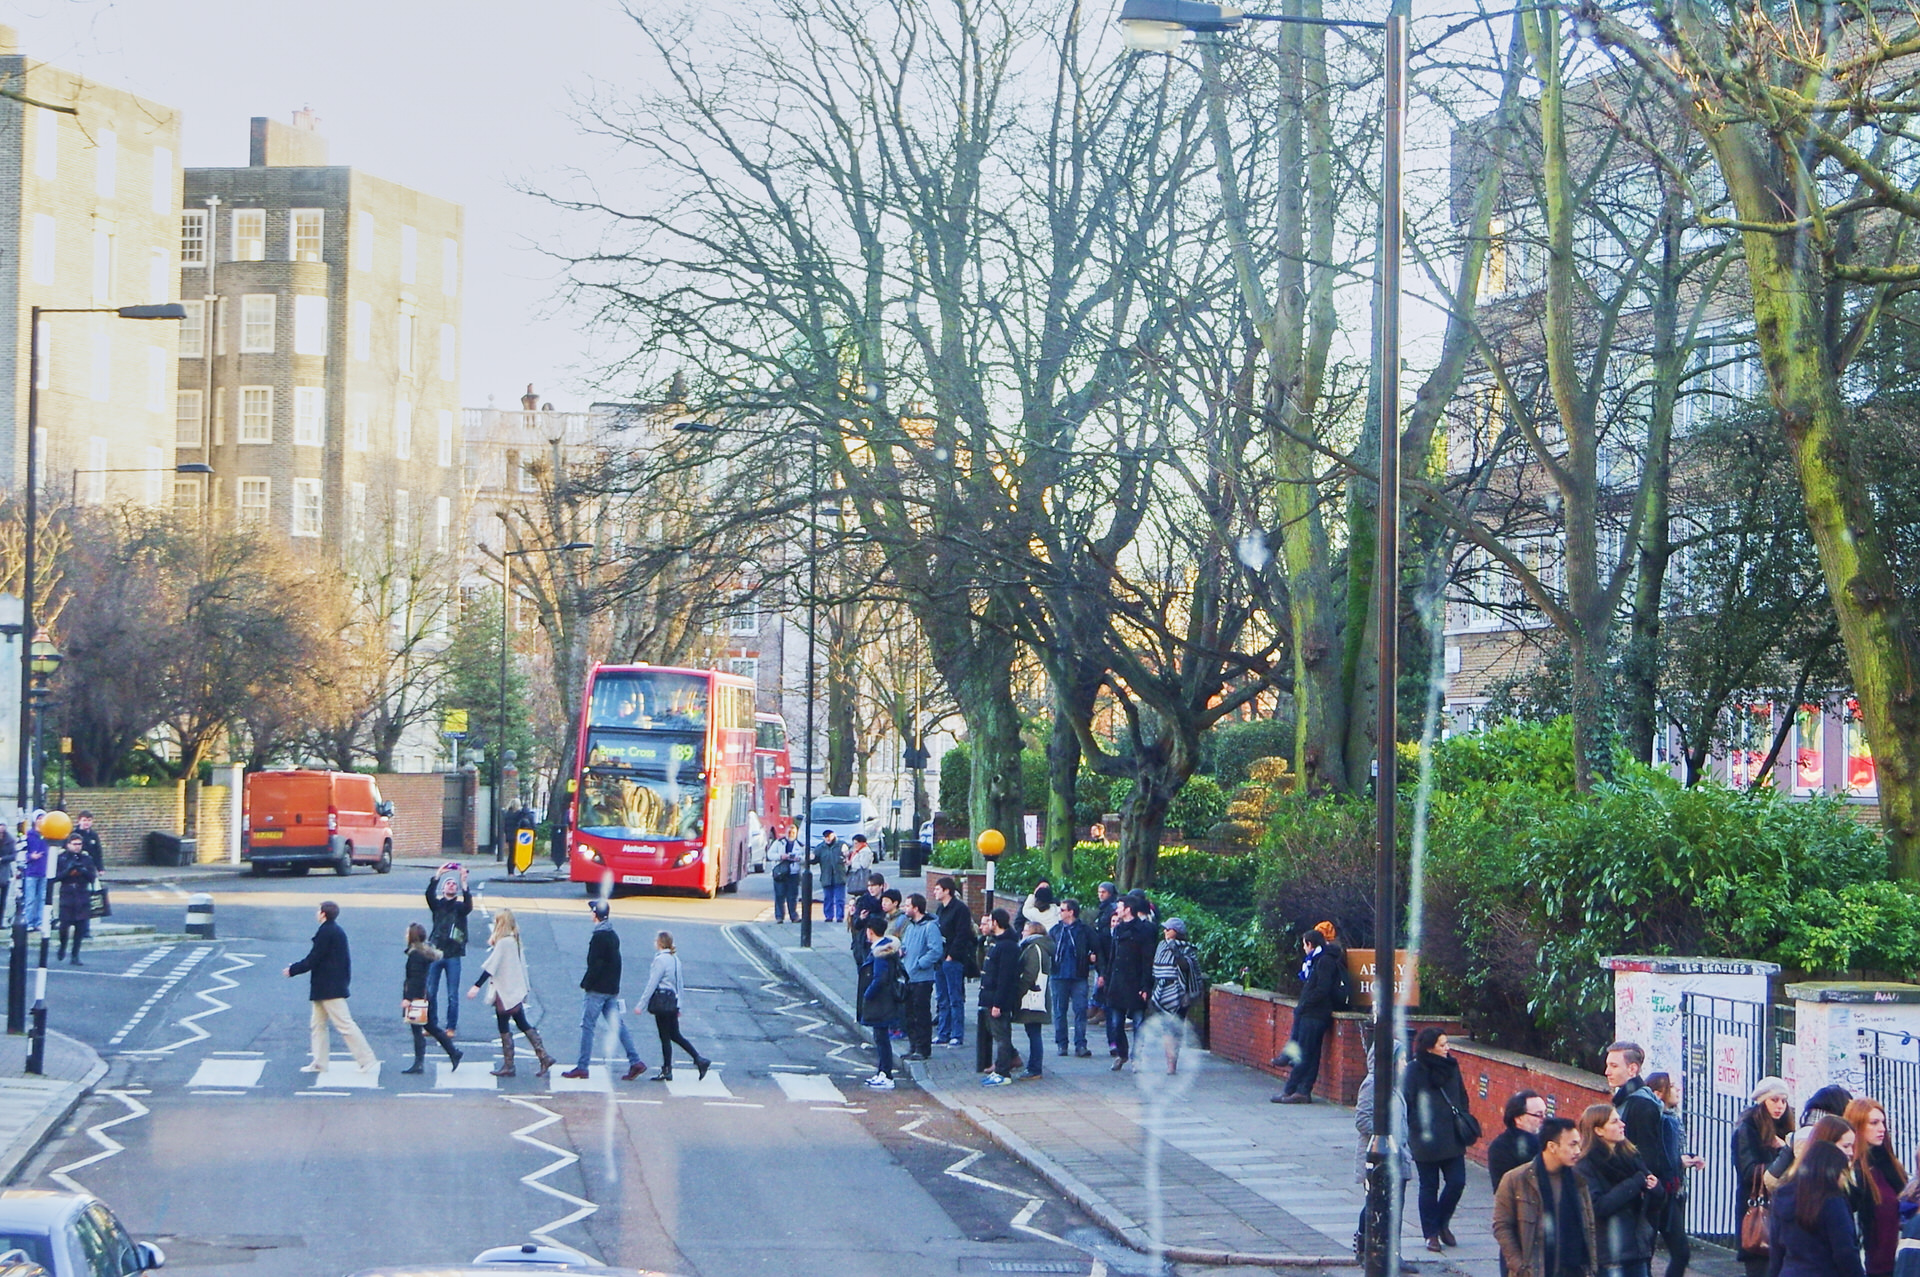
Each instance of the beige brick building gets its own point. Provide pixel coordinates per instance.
(89, 217)
(319, 367)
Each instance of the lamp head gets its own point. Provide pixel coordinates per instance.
(1161, 26)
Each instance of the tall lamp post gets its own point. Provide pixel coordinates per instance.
(1159, 26)
(44, 658)
(498, 753)
(17, 967)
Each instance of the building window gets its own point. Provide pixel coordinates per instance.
(303, 234)
(95, 473)
(409, 254)
(363, 241)
(156, 476)
(159, 278)
(746, 621)
(403, 430)
(189, 408)
(363, 331)
(309, 415)
(186, 494)
(193, 331)
(745, 666)
(256, 414)
(403, 342)
(357, 511)
(402, 518)
(255, 497)
(163, 201)
(358, 432)
(306, 507)
(106, 159)
(527, 480)
(46, 147)
(103, 267)
(450, 267)
(193, 237)
(45, 234)
(100, 381)
(444, 453)
(309, 325)
(442, 522)
(256, 323)
(249, 235)
(449, 353)
(156, 379)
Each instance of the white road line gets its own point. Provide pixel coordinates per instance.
(152, 956)
(562, 1160)
(710, 1087)
(732, 1104)
(339, 1093)
(216, 1092)
(227, 1073)
(109, 1146)
(174, 977)
(215, 1006)
(808, 1088)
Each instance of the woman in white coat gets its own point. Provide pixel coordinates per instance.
(506, 965)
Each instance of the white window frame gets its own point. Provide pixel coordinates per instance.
(403, 341)
(444, 451)
(258, 315)
(357, 511)
(104, 253)
(359, 423)
(193, 238)
(317, 218)
(189, 417)
(402, 517)
(219, 417)
(256, 415)
(306, 512)
(309, 416)
(156, 379)
(442, 522)
(253, 499)
(309, 324)
(187, 493)
(249, 240)
(745, 666)
(403, 430)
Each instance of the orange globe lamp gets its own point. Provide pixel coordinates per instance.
(991, 843)
(56, 826)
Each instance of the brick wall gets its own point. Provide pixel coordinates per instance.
(124, 817)
(416, 799)
(1251, 1025)
(211, 825)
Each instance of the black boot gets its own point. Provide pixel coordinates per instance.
(419, 1058)
(76, 950)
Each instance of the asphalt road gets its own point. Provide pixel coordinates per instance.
(206, 1137)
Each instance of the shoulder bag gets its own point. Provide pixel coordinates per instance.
(1465, 1125)
(414, 1010)
(1756, 1222)
(664, 1000)
(98, 905)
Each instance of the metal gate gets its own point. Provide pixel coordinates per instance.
(1729, 1046)
(1891, 1064)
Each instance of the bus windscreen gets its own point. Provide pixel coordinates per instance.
(648, 700)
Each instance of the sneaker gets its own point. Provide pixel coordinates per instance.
(996, 1079)
(1061, 1052)
(880, 1082)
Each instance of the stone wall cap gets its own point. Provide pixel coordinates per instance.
(1662, 964)
(1859, 991)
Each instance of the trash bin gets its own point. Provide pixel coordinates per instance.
(913, 858)
(171, 850)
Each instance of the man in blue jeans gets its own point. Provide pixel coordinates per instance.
(601, 995)
(958, 940)
(831, 855)
(450, 904)
(1072, 951)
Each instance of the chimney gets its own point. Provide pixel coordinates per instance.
(271, 144)
(677, 388)
(530, 401)
(306, 121)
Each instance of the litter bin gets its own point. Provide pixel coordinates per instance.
(171, 849)
(913, 858)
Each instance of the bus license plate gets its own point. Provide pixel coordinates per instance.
(636, 880)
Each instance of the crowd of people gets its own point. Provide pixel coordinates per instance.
(65, 873)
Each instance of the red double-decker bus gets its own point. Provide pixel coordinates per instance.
(664, 786)
(773, 771)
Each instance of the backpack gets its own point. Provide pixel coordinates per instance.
(1342, 984)
(1193, 985)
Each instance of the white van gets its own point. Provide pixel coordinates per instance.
(846, 817)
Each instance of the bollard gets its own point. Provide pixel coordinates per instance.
(200, 916)
(37, 1031)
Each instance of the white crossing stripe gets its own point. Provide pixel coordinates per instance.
(808, 1088)
(688, 1084)
(343, 1072)
(227, 1073)
(597, 1080)
(472, 1078)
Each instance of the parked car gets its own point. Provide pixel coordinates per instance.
(300, 820)
(846, 817)
(71, 1235)
(527, 1257)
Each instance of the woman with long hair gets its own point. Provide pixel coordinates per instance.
(506, 964)
(1813, 1233)
(1762, 1132)
(413, 989)
(1626, 1195)
(661, 997)
(1440, 1129)
(1878, 1179)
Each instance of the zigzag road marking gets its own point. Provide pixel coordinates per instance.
(561, 1160)
(109, 1146)
(174, 977)
(214, 1006)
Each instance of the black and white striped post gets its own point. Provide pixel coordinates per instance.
(200, 916)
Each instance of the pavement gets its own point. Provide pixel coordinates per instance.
(1198, 1167)
(32, 1108)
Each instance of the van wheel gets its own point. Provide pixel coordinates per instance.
(344, 865)
(259, 869)
(384, 865)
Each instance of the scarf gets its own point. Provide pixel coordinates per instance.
(1563, 1229)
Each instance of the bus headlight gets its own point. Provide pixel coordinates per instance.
(686, 858)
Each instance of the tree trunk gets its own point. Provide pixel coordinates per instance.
(1063, 772)
(1142, 825)
(975, 657)
(842, 737)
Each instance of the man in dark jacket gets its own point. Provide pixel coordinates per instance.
(1645, 1116)
(1000, 994)
(90, 841)
(1520, 1142)
(450, 904)
(600, 994)
(1103, 958)
(1131, 976)
(958, 945)
(1072, 963)
(328, 967)
(1312, 1017)
(1543, 1212)
(866, 905)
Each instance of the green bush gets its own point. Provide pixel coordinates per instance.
(1230, 749)
(1198, 807)
(956, 780)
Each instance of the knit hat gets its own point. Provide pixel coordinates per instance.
(1326, 930)
(1109, 888)
(1176, 925)
(1769, 1086)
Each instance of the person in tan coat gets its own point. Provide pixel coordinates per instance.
(1542, 1213)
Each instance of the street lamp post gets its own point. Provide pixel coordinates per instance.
(44, 659)
(1159, 26)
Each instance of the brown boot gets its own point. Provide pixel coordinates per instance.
(505, 1067)
(540, 1052)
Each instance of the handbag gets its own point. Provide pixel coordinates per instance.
(1756, 1223)
(1465, 1125)
(662, 1001)
(415, 1010)
(98, 905)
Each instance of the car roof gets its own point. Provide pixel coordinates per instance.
(38, 1208)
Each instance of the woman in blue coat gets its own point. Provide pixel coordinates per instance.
(1813, 1233)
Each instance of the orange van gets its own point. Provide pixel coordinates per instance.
(297, 820)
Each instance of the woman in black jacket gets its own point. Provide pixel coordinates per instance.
(1000, 993)
(1764, 1130)
(75, 874)
(1626, 1195)
(413, 990)
(1131, 978)
(1813, 1233)
(1440, 1129)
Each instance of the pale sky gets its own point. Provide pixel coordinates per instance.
(463, 100)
